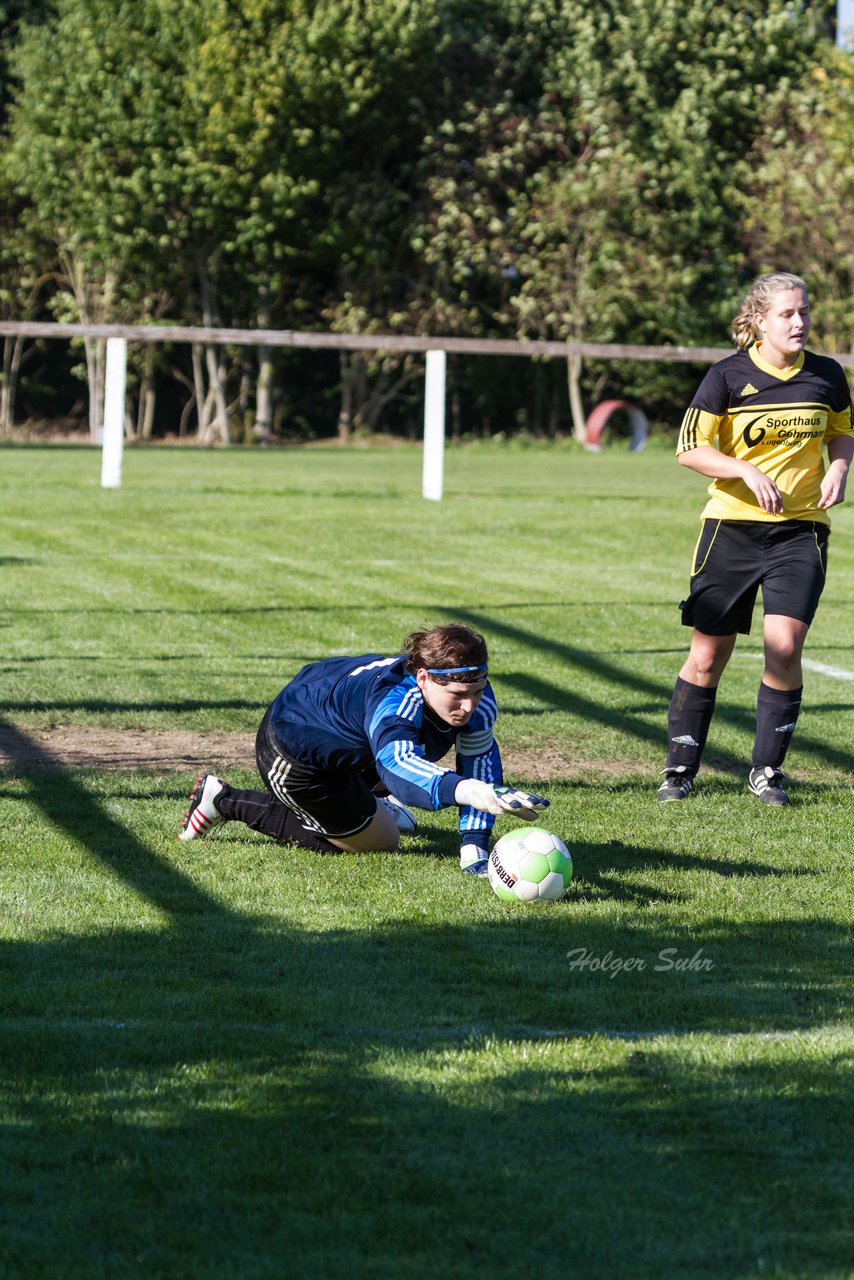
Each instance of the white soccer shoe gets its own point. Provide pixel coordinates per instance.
(474, 861)
(202, 815)
(404, 819)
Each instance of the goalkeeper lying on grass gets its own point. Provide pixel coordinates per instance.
(351, 741)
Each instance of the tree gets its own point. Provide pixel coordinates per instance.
(12, 14)
(797, 194)
(232, 158)
(318, 213)
(519, 167)
(601, 168)
(26, 260)
(94, 132)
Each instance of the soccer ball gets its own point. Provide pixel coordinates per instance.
(530, 866)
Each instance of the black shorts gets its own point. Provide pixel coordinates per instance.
(733, 558)
(329, 804)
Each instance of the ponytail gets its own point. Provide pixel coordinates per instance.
(757, 301)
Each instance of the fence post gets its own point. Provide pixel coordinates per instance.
(114, 413)
(434, 426)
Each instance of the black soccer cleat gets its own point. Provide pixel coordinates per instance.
(677, 785)
(767, 784)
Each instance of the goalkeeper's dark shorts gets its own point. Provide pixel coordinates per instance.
(328, 804)
(733, 558)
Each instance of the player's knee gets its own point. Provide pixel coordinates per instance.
(706, 663)
(784, 655)
(783, 647)
(781, 659)
(701, 670)
(379, 836)
(385, 836)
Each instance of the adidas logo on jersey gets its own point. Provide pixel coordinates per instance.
(749, 390)
(685, 741)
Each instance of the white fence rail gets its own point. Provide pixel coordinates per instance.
(364, 341)
(117, 336)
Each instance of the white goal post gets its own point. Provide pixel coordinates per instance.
(433, 466)
(114, 413)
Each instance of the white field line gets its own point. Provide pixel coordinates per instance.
(820, 668)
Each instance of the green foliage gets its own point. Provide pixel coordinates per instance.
(95, 136)
(147, 135)
(797, 183)
(12, 14)
(26, 256)
(600, 172)
(561, 208)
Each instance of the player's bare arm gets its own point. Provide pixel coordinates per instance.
(709, 461)
(840, 451)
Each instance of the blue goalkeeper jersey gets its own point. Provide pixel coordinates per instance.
(367, 714)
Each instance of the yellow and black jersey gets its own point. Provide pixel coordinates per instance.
(778, 419)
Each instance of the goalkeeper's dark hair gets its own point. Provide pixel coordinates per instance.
(445, 648)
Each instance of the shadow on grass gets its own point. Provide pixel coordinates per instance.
(582, 661)
(545, 695)
(104, 706)
(70, 806)
(233, 1095)
(241, 1098)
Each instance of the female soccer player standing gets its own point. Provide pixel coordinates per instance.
(771, 406)
(345, 729)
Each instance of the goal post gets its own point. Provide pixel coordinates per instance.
(114, 413)
(433, 466)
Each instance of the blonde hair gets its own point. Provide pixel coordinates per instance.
(757, 301)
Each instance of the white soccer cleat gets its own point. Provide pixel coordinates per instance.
(202, 815)
(404, 819)
(474, 861)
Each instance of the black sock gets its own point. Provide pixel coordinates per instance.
(263, 812)
(776, 717)
(688, 720)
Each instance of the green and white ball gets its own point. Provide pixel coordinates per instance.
(530, 866)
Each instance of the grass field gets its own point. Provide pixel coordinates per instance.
(231, 1059)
